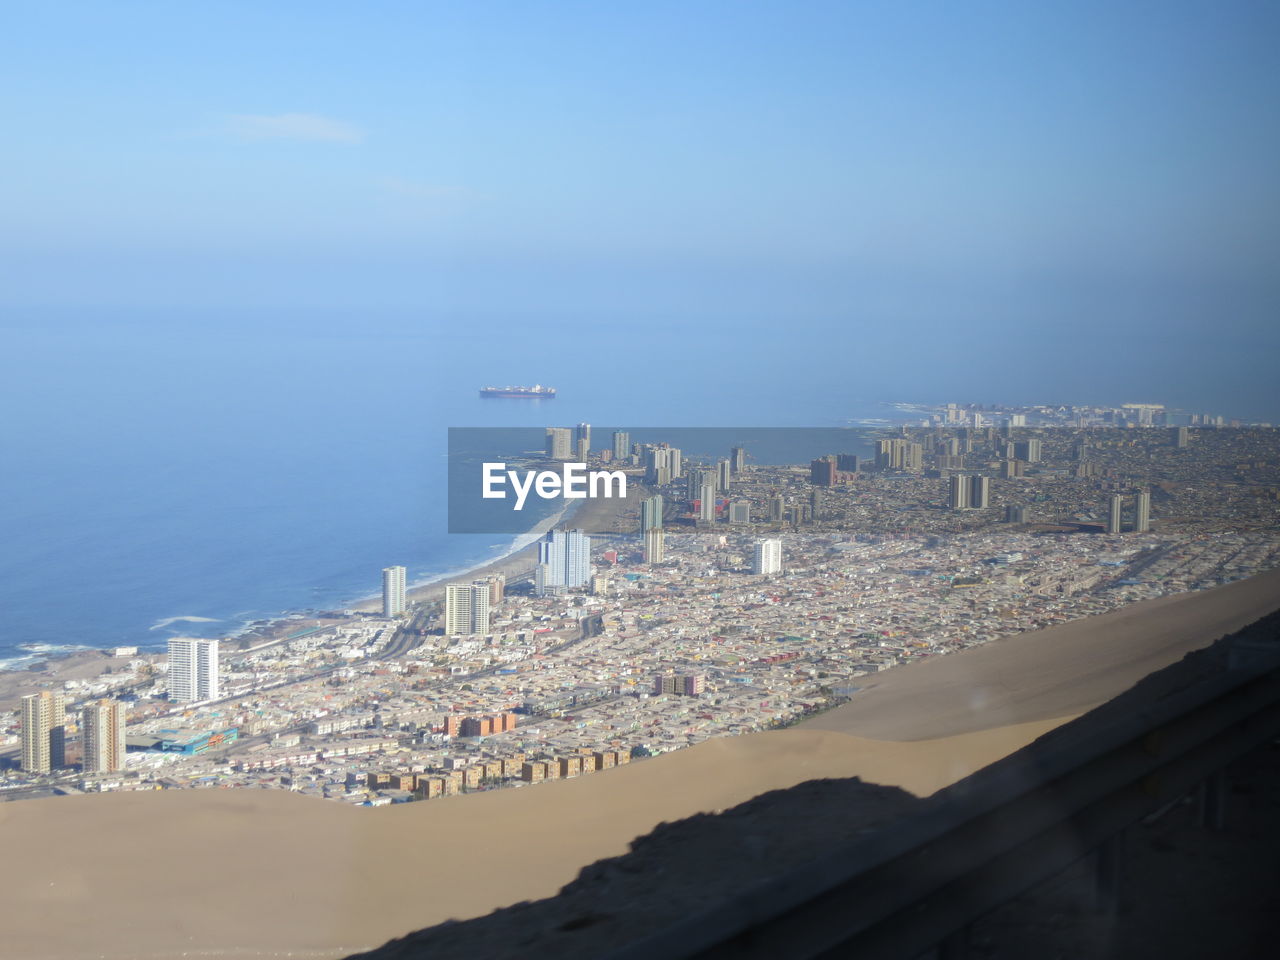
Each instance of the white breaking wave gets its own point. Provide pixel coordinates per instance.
(161, 624)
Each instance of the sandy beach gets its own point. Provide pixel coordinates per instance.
(596, 517)
(257, 874)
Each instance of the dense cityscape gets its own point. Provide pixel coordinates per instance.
(727, 597)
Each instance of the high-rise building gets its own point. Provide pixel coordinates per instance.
(559, 443)
(958, 498)
(393, 590)
(44, 732)
(768, 558)
(822, 472)
(979, 492)
(738, 460)
(582, 435)
(776, 508)
(1015, 514)
(890, 454)
(1181, 437)
(1010, 469)
(654, 545)
(650, 513)
(102, 735)
(466, 608)
(564, 560)
(1142, 513)
(1115, 513)
(621, 445)
(848, 462)
(740, 511)
(1028, 450)
(497, 589)
(899, 454)
(723, 475)
(662, 464)
(913, 457)
(695, 479)
(707, 504)
(193, 669)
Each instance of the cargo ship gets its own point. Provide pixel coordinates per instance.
(536, 392)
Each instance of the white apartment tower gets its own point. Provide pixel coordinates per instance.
(1142, 512)
(193, 669)
(102, 733)
(1115, 513)
(707, 505)
(559, 443)
(393, 580)
(43, 732)
(564, 560)
(768, 558)
(654, 545)
(466, 608)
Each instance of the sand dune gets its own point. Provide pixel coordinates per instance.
(1066, 669)
(263, 873)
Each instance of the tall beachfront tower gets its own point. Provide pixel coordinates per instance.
(43, 732)
(621, 445)
(564, 560)
(393, 579)
(768, 558)
(193, 669)
(466, 608)
(559, 443)
(582, 441)
(102, 733)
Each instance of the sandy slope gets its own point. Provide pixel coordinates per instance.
(1066, 669)
(249, 873)
(263, 873)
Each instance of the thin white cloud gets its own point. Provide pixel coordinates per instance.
(292, 126)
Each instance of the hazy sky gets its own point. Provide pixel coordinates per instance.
(1012, 168)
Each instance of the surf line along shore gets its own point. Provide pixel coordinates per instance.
(607, 517)
(596, 516)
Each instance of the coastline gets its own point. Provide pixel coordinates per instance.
(597, 517)
(548, 832)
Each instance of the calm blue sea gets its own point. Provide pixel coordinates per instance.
(166, 476)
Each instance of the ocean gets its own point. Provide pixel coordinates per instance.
(167, 478)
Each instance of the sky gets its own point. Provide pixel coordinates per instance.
(990, 183)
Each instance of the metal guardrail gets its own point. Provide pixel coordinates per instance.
(990, 837)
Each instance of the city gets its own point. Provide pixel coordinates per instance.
(741, 597)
